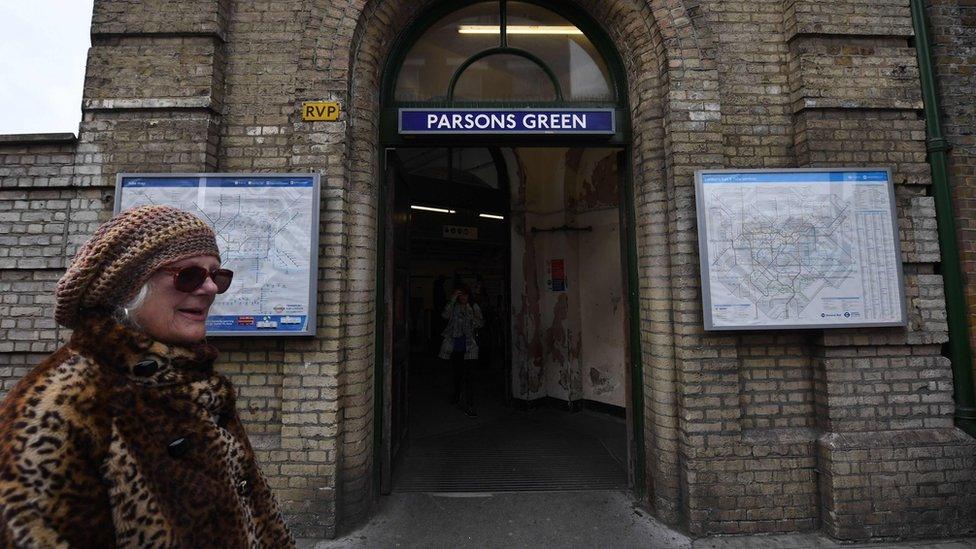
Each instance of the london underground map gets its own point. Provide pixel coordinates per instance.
(799, 249)
(266, 229)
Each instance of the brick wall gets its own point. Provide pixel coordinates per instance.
(889, 387)
(41, 212)
(951, 29)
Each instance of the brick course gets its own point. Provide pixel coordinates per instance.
(951, 24)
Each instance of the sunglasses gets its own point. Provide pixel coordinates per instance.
(188, 279)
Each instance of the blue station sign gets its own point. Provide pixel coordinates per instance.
(506, 121)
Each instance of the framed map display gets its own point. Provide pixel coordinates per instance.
(267, 232)
(799, 248)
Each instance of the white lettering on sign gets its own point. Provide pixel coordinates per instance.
(483, 121)
(553, 121)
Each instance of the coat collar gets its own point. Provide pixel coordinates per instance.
(131, 352)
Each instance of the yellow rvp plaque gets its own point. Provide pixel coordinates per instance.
(320, 110)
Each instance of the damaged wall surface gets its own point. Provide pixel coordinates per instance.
(568, 322)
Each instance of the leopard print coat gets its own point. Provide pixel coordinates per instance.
(117, 440)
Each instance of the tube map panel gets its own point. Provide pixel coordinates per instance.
(799, 249)
(267, 232)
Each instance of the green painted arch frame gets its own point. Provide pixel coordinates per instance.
(388, 137)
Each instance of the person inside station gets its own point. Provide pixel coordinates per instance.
(459, 345)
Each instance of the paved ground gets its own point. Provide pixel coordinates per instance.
(603, 519)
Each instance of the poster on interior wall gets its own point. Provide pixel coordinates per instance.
(267, 232)
(557, 275)
(801, 248)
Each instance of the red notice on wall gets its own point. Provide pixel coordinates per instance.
(557, 275)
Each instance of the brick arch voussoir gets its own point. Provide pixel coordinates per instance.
(630, 24)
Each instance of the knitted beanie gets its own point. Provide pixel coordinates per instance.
(124, 253)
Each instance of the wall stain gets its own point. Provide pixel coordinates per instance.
(602, 384)
(563, 348)
(547, 351)
(556, 339)
(532, 369)
(593, 191)
(600, 191)
(575, 365)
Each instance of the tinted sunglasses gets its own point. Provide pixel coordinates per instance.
(188, 279)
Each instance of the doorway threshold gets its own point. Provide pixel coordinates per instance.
(515, 453)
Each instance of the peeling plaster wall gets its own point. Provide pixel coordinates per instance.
(566, 344)
(595, 202)
(602, 308)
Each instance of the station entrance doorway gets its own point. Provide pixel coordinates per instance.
(504, 132)
(533, 236)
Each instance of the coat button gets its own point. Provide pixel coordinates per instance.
(178, 447)
(244, 488)
(145, 368)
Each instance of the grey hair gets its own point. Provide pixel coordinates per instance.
(126, 314)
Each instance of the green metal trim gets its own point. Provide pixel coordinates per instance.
(937, 144)
(499, 51)
(502, 23)
(636, 362)
(960, 352)
(379, 327)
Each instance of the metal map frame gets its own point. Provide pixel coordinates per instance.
(313, 252)
(702, 220)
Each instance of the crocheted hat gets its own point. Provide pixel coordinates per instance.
(124, 252)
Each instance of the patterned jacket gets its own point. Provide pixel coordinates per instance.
(463, 321)
(120, 441)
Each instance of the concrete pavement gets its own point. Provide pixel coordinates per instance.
(602, 519)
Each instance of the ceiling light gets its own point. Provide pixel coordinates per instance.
(519, 29)
(491, 216)
(430, 209)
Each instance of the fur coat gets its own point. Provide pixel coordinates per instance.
(117, 440)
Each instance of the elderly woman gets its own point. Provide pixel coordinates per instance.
(125, 436)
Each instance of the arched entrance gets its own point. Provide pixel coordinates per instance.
(505, 138)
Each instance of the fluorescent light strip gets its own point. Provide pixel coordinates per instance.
(491, 216)
(430, 209)
(519, 29)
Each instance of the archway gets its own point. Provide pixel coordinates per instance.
(546, 88)
(663, 49)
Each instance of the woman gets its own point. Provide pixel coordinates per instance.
(459, 345)
(125, 436)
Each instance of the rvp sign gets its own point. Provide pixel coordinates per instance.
(320, 110)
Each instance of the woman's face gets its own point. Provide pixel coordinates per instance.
(172, 316)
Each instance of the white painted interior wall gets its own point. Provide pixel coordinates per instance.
(567, 344)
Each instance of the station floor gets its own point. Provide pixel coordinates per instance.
(597, 519)
(506, 447)
(477, 482)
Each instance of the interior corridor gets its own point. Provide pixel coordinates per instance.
(533, 234)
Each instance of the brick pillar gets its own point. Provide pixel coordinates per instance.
(951, 27)
(891, 464)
